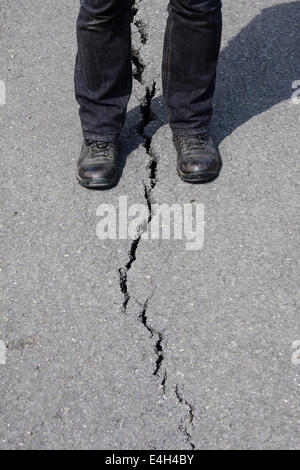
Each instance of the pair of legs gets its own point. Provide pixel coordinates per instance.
(103, 77)
(103, 74)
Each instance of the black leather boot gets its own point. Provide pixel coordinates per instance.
(198, 159)
(98, 164)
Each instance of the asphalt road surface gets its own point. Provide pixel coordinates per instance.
(143, 344)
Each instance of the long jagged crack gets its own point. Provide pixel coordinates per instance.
(158, 345)
(150, 92)
(147, 116)
(183, 428)
(123, 271)
(132, 253)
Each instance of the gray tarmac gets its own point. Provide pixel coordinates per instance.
(121, 344)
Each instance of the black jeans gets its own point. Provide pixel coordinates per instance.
(103, 74)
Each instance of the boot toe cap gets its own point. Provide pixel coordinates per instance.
(95, 174)
(199, 166)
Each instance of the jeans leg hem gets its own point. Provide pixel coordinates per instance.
(192, 131)
(102, 137)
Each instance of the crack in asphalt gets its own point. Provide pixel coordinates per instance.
(183, 428)
(158, 345)
(147, 116)
(143, 30)
(123, 271)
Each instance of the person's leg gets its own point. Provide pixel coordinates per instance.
(192, 44)
(103, 76)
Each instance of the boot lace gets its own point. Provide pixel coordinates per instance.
(195, 142)
(98, 149)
